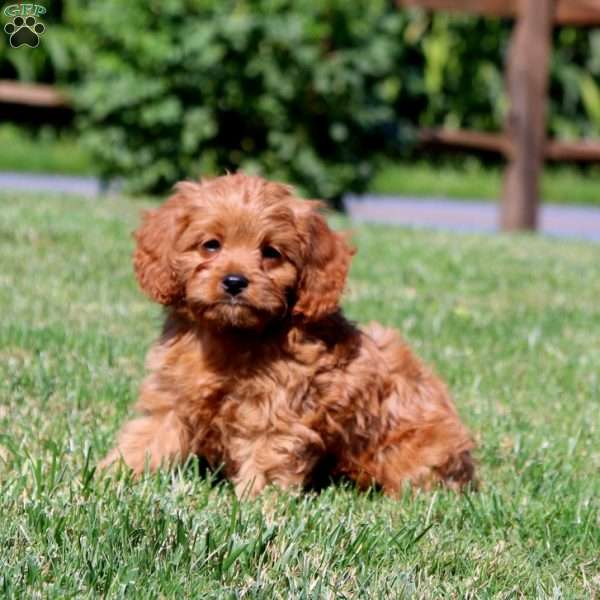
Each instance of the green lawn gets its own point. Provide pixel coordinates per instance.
(467, 178)
(43, 151)
(512, 323)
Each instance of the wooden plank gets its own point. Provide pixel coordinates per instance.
(527, 81)
(470, 140)
(576, 151)
(491, 8)
(554, 150)
(578, 12)
(47, 96)
(568, 12)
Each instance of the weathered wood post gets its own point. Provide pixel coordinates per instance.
(527, 81)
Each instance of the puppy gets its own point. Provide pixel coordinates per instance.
(258, 371)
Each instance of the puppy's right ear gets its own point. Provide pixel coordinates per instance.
(153, 258)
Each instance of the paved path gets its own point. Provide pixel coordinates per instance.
(60, 184)
(439, 213)
(461, 215)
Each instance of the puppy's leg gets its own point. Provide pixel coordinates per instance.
(423, 455)
(422, 440)
(286, 460)
(152, 441)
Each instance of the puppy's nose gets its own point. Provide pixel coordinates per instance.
(234, 284)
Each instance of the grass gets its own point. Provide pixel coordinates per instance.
(512, 323)
(469, 179)
(43, 151)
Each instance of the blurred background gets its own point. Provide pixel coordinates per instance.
(332, 96)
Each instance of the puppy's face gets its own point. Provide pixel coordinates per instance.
(239, 252)
(239, 258)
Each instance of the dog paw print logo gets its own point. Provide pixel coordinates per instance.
(25, 28)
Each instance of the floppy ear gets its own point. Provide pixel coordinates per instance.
(326, 262)
(153, 255)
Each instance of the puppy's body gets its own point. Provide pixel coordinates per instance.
(279, 386)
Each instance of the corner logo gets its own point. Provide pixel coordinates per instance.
(25, 27)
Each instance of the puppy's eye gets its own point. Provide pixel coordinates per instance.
(212, 245)
(270, 252)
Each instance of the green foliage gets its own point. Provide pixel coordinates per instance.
(303, 91)
(463, 74)
(310, 92)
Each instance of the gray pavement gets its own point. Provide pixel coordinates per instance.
(61, 184)
(581, 222)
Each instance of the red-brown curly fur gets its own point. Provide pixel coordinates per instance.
(274, 383)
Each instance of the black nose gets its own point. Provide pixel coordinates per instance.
(234, 284)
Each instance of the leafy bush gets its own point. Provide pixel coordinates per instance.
(310, 92)
(301, 90)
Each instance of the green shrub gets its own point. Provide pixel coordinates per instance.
(304, 91)
(309, 92)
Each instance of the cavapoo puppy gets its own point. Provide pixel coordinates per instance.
(257, 369)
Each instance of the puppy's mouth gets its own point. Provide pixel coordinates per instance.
(233, 301)
(237, 312)
(234, 307)
(233, 312)
(228, 301)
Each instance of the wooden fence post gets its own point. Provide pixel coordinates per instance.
(527, 80)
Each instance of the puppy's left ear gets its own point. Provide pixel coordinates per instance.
(327, 258)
